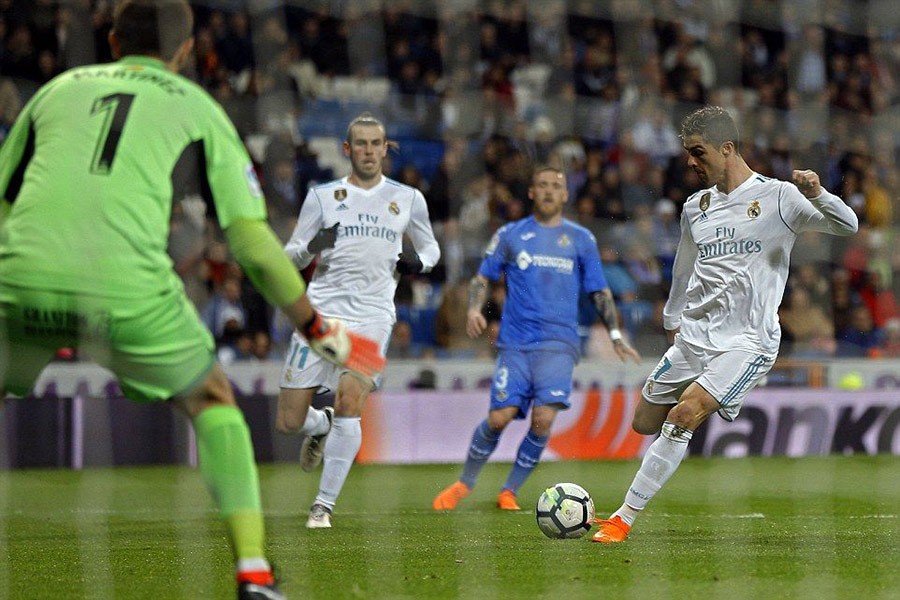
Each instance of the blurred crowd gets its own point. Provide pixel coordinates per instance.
(477, 93)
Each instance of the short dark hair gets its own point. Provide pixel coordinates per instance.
(712, 123)
(152, 27)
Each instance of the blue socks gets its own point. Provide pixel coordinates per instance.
(526, 460)
(483, 443)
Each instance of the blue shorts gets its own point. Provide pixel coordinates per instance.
(535, 376)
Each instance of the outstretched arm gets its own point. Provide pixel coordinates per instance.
(606, 309)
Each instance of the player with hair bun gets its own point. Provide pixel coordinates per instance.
(355, 225)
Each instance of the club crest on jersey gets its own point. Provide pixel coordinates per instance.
(704, 201)
(394, 208)
(252, 181)
(340, 194)
(754, 210)
(564, 241)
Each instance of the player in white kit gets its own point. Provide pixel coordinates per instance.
(722, 314)
(356, 226)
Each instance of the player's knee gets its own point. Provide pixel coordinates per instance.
(645, 426)
(498, 421)
(214, 391)
(686, 414)
(541, 424)
(648, 417)
(289, 422)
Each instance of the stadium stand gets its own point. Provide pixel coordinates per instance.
(478, 93)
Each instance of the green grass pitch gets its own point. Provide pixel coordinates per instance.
(818, 528)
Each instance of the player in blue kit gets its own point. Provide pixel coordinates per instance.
(548, 262)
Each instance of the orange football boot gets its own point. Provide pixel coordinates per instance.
(612, 530)
(450, 496)
(507, 501)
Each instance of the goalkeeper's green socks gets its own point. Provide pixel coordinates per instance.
(229, 470)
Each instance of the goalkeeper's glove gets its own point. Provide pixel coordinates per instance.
(330, 339)
(408, 263)
(324, 239)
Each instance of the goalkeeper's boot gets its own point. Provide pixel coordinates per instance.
(612, 530)
(319, 517)
(507, 501)
(258, 586)
(450, 496)
(314, 445)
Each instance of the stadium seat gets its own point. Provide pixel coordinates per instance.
(345, 88)
(257, 143)
(532, 77)
(421, 321)
(425, 155)
(329, 155)
(321, 117)
(375, 90)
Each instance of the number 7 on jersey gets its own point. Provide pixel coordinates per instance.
(115, 109)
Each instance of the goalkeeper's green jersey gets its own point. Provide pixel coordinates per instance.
(90, 169)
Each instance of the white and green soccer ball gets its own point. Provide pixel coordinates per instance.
(565, 510)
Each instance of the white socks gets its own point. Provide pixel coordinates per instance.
(660, 461)
(340, 452)
(316, 422)
(252, 564)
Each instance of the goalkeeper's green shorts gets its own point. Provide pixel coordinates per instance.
(156, 346)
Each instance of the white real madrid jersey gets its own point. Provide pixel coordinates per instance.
(355, 279)
(732, 263)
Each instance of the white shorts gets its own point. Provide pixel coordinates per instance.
(726, 375)
(305, 369)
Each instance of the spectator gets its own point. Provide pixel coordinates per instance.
(10, 105)
(224, 314)
(620, 282)
(811, 279)
(890, 347)
(806, 330)
(262, 346)
(860, 339)
(655, 136)
(879, 299)
(808, 68)
(235, 345)
(282, 195)
(666, 233)
(452, 340)
(402, 345)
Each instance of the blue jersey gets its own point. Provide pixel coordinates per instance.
(546, 268)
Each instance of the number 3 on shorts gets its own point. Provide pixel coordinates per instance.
(502, 378)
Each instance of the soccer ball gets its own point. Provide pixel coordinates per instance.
(565, 510)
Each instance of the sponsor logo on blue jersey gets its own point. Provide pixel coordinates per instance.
(558, 263)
